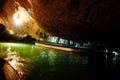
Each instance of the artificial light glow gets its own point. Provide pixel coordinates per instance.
(20, 16)
(11, 32)
(23, 22)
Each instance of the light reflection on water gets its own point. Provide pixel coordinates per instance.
(15, 60)
(30, 61)
(34, 63)
(15, 54)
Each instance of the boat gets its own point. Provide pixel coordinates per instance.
(7, 72)
(58, 47)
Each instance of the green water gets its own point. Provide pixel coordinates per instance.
(33, 63)
(39, 63)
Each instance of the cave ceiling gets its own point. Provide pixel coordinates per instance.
(79, 20)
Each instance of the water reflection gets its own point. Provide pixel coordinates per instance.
(85, 60)
(15, 55)
(34, 63)
(15, 60)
